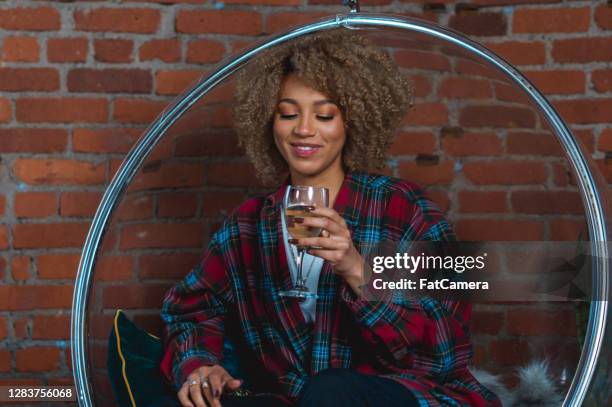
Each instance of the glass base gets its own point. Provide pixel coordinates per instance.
(300, 292)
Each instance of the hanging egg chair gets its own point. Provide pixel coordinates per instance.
(172, 190)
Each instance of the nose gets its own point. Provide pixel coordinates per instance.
(305, 126)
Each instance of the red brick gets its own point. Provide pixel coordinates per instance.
(482, 202)
(33, 140)
(102, 141)
(57, 266)
(58, 172)
(177, 205)
(465, 88)
(533, 143)
(6, 110)
(231, 174)
(278, 22)
(79, 203)
(30, 19)
(135, 207)
(22, 328)
(421, 86)
(21, 266)
(113, 50)
(220, 203)
(34, 297)
(472, 144)
(509, 93)
(165, 50)
(218, 22)
(3, 328)
(161, 236)
(35, 204)
(427, 114)
(175, 82)
(505, 172)
(113, 268)
(169, 266)
(51, 327)
(137, 110)
(479, 23)
(497, 116)
(605, 140)
(2, 211)
(110, 80)
(205, 51)
(208, 144)
(549, 20)
(485, 322)
(61, 110)
(582, 50)
(5, 361)
(585, 111)
(603, 16)
(602, 80)
(422, 60)
(171, 175)
(266, 2)
(134, 20)
(520, 53)
(533, 322)
(29, 79)
(558, 82)
(499, 229)
(48, 235)
(37, 359)
(67, 49)
(134, 296)
(3, 237)
(511, 353)
(546, 202)
(20, 49)
(413, 143)
(425, 175)
(440, 198)
(567, 229)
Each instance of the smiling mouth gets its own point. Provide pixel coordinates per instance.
(305, 150)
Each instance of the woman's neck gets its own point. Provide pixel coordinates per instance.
(331, 180)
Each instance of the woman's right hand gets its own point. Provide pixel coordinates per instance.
(216, 379)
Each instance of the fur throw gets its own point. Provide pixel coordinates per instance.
(536, 388)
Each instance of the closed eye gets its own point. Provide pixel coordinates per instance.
(288, 116)
(325, 118)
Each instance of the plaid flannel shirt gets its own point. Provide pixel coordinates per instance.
(424, 345)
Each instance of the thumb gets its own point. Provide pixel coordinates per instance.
(234, 384)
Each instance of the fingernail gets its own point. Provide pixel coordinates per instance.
(216, 393)
(298, 220)
(310, 208)
(293, 241)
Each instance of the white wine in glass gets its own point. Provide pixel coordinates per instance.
(298, 203)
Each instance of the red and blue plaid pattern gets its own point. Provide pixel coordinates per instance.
(424, 344)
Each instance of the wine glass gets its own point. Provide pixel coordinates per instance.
(299, 201)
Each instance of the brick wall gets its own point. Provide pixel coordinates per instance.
(80, 80)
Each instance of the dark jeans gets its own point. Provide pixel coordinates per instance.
(338, 388)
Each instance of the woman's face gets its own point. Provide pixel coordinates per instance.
(308, 129)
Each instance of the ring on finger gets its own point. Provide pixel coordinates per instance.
(204, 383)
(193, 383)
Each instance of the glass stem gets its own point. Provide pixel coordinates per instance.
(300, 263)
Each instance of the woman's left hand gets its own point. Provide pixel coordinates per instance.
(335, 245)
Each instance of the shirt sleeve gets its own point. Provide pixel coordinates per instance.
(193, 312)
(408, 332)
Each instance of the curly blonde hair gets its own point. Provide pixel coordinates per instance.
(360, 78)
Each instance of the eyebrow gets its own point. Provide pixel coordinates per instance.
(317, 103)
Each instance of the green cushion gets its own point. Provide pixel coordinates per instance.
(133, 363)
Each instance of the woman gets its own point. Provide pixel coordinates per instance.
(323, 110)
